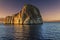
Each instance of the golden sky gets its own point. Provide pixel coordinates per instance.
(49, 9)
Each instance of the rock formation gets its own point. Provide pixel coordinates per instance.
(9, 20)
(28, 15)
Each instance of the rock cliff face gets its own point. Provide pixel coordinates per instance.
(31, 15)
(28, 15)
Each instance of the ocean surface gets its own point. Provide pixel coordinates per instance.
(45, 31)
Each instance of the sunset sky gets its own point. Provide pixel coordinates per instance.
(49, 9)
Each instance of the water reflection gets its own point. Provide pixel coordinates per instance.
(22, 32)
(27, 32)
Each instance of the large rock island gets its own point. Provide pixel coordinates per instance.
(28, 15)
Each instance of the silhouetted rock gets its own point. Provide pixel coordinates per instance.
(28, 15)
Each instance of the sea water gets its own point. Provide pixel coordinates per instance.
(45, 31)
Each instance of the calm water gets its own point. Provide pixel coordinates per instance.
(46, 31)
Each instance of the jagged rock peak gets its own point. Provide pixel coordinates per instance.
(31, 14)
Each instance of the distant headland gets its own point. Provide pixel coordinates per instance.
(29, 14)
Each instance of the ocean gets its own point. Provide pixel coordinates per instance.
(45, 31)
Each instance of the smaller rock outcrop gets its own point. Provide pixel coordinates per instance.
(28, 15)
(9, 20)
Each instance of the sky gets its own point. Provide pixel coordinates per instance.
(49, 9)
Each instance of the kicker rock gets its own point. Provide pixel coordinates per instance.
(28, 15)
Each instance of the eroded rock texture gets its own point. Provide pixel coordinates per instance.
(28, 15)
